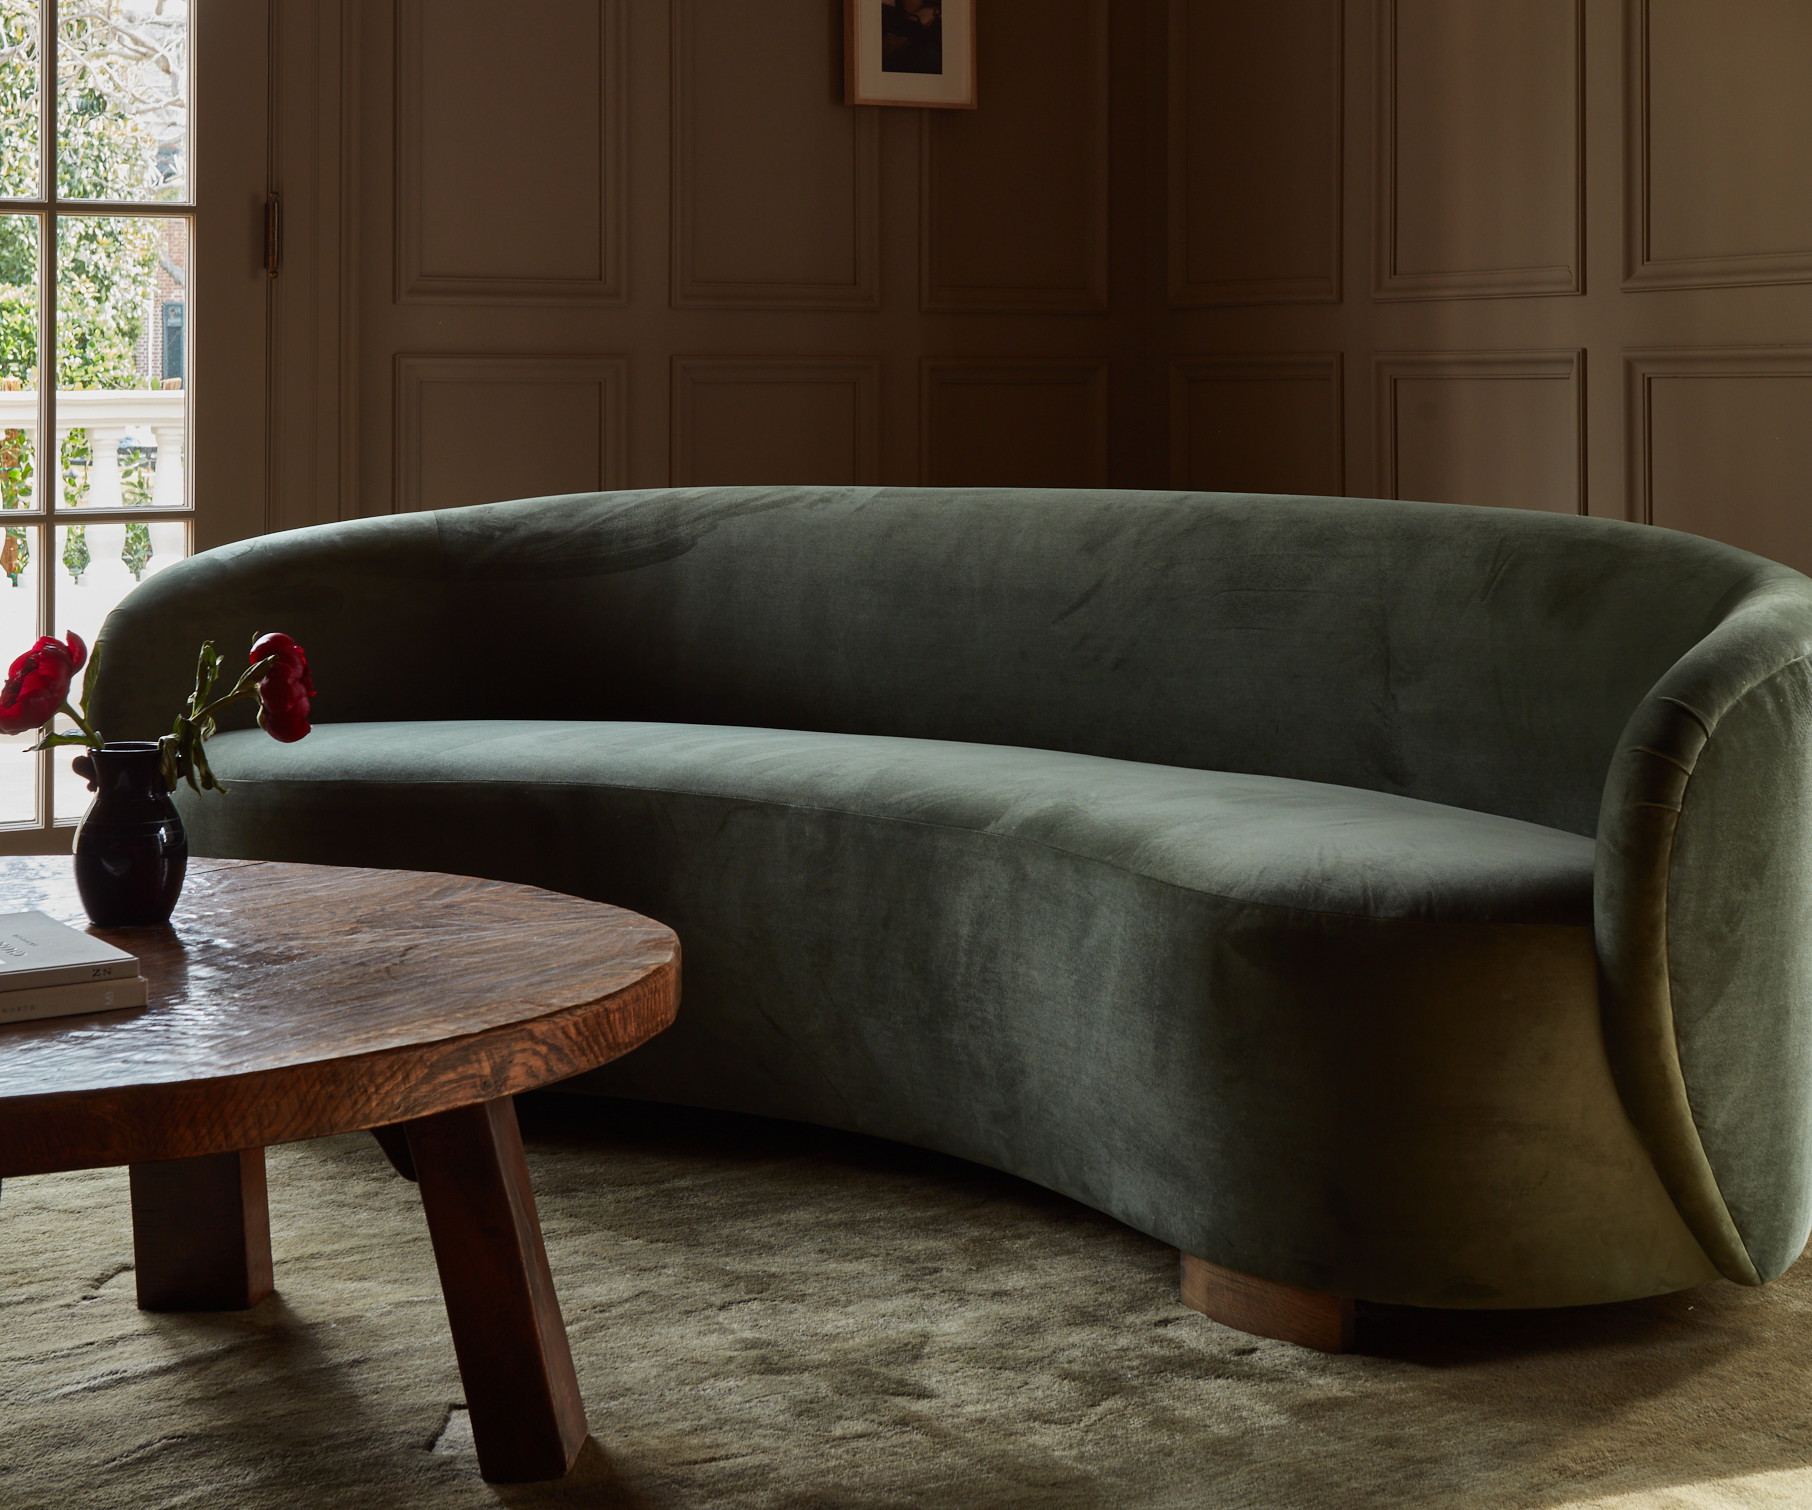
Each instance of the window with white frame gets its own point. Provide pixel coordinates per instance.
(96, 227)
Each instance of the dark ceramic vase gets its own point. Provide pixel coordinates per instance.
(130, 850)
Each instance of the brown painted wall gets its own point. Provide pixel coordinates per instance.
(633, 242)
(1551, 254)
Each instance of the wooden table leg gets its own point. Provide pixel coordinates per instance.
(394, 1140)
(201, 1233)
(528, 1421)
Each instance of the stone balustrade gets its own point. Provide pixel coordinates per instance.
(109, 416)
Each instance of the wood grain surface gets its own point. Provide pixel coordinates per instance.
(395, 1143)
(201, 1233)
(1266, 1308)
(528, 1421)
(296, 1001)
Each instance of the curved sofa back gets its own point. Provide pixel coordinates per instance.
(1496, 660)
(1483, 658)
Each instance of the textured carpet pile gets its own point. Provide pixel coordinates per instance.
(778, 1318)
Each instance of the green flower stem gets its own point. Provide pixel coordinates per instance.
(244, 687)
(90, 735)
(180, 751)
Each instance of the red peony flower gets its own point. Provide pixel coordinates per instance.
(38, 683)
(285, 692)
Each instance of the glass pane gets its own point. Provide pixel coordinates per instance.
(18, 360)
(19, 99)
(122, 356)
(21, 560)
(97, 565)
(122, 99)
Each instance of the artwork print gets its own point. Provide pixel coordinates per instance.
(912, 36)
(911, 52)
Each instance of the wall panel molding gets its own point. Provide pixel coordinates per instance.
(1264, 372)
(1391, 280)
(859, 380)
(1645, 369)
(416, 280)
(1643, 267)
(858, 240)
(1320, 164)
(587, 456)
(1392, 369)
(943, 230)
(1046, 406)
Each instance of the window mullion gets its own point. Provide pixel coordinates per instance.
(47, 101)
(49, 460)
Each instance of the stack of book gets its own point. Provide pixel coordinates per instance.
(48, 969)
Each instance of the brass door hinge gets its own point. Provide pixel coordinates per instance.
(273, 233)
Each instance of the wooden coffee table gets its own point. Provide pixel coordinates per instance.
(297, 1001)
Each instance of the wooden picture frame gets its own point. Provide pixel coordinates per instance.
(918, 53)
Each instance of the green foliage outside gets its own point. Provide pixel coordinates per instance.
(76, 555)
(106, 266)
(18, 266)
(137, 551)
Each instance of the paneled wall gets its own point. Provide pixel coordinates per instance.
(1549, 254)
(1555, 254)
(605, 243)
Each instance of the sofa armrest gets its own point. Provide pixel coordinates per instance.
(1704, 927)
(367, 599)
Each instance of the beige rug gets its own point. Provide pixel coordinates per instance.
(767, 1317)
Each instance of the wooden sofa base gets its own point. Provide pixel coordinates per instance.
(1268, 1309)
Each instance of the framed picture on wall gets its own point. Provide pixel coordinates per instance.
(910, 52)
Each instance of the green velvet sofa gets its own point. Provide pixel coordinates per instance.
(1384, 900)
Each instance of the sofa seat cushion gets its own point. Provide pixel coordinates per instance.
(1335, 1037)
(1254, 839)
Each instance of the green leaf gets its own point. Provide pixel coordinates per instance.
(94, 659)
(210, 660)
(208, 778)
(201, 682)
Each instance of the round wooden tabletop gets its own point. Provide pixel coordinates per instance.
(295, 1001)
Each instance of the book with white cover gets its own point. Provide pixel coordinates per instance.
(36, 950)
(66, 1001)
